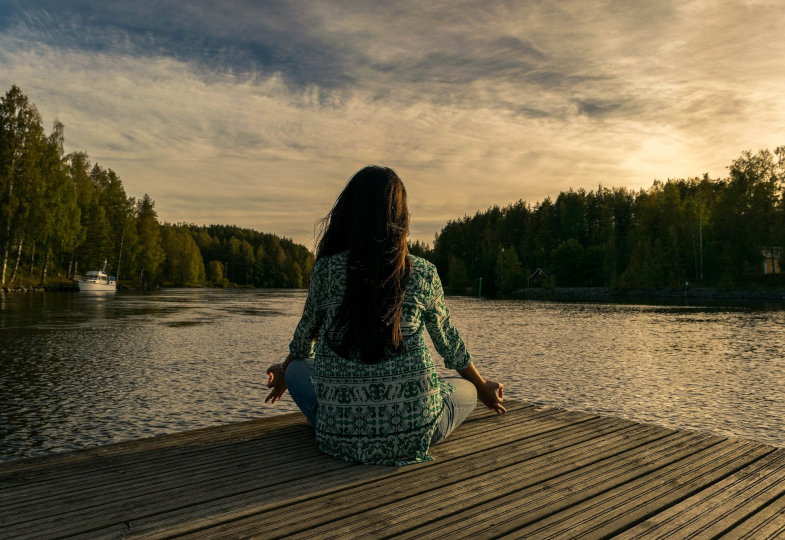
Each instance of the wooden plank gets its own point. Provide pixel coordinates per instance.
(506, 468)
(102, 477)
(91, 509)
(32, 491)
(524, 494)
(422, 479)
(536, 472)
(172, 489)
(768, 522)
(721, 507)
(153, 448)
(147, 449)
(482, 412)
(615, 510)
(230, 507)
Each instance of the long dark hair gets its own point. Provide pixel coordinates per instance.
(370, 220)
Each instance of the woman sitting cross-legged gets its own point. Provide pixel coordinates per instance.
(358, 366)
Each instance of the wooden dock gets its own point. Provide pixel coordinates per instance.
(533, 473)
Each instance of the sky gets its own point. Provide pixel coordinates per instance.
(256, 113)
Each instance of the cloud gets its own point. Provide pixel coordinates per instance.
(256, 114)
(239, 35)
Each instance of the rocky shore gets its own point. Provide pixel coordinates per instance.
(22, 289)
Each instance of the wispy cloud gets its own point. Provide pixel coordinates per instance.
(257, 113)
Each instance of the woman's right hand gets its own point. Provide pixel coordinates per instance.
(491, 393)
(277, 381)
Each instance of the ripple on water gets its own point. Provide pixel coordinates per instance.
(79, 371)
(668, 365)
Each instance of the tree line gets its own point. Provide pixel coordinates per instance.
(61, 215)
(681, 232)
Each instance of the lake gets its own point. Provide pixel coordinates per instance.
(80, 370)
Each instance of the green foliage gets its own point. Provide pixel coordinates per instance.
(568, 263)
(252, 258)
(457, 276)
(215, 275)
(63, 215)
(151, 253)
(22, 165)
(509, 274)
(421, 249)
(183, 264)
(706, 231)
(67, 214)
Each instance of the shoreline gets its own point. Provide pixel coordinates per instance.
(608, 293)
(537, 293)
(64, 287)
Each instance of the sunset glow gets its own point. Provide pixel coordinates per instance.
(256, 113)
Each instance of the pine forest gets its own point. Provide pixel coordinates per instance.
(61, 215)
(697, 232)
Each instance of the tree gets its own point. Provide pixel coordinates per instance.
(71, 215)
(421, 249)
(56, 224)
(22, 141)
(119, 212)
(457, 277)
(183, 264)
(510, 275)
(567, 266)
(78, 166)
(294, 274)
(151, 255)
(747, 215)
(215, 274)
(245, 262)
(254, 258)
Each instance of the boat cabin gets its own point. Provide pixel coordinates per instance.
(96, 276)
(100, 277)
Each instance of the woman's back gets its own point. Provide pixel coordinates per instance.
(372, 391)
(382, 412)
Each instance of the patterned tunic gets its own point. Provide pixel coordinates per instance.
(383, 413)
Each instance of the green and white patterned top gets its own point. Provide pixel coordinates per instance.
(383, 413)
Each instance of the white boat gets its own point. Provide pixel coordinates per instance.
(97, 281)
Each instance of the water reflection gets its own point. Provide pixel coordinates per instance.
(711, 368)
(82, 370)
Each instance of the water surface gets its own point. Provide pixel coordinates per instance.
(81, 370)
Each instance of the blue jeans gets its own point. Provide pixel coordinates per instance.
(457, 406)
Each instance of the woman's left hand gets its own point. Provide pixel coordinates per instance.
(491, 393)
(277, 381)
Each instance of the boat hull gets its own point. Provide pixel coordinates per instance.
(87, 286)
(97, 281)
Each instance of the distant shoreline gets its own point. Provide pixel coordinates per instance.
(122, 286)
(557, 293)
(597, 293)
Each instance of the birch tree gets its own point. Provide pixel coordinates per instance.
(21, 142)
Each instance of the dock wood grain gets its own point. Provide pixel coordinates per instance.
(533, 473)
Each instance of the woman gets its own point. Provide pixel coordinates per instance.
(358, 366)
